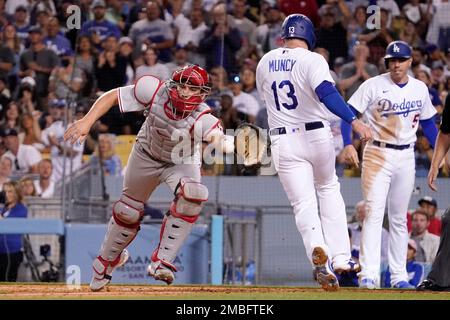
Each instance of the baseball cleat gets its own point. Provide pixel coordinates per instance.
(103, 270)
(159, 272)
(350, 266)
(322, 274)
(403, 285)
(367, 283)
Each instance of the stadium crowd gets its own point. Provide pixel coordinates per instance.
(47, 67)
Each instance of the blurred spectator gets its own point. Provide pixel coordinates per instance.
(246, 105)
(219, 85)
(437, 74)
(126, 48)
(439, 28)
(153, 32)
(152, 66)
(180, 59)
(42, 18)
(60, 151)
(356, 226)
(24, 157)
(307, 7)
(423, 154)
(427, 243)
(195, 32)
(11, 246)
(11, 119)
(174, 15)
(221, 41)
(110, 66)
(12, 41)
(332, 34)
(5, 98)
(378, 39)
(268, 36)
(21, 22)
(45, 187)
(111, 164)
(429, 205)
(6, 60)
(11, 5)
(415, 270)
(99, 28)
(3, 15)
(424, 76)
(409, 35)
(27, 187)
(66, 81)
(26, 96)
(354, 73)
(418, 62)
(38, 6)
(418, 13)
(84, 60)
(228, 114)
(31, 131)
(55, 41)
(5, 171)
(355, 27)
(245, 26)
(117, 13)
(38, 62)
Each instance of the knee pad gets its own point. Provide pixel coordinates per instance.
(189, 198)
(128, 212)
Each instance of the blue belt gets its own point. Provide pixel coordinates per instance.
(308, 126)
(391, 146)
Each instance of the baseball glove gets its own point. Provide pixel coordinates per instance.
(250, 144)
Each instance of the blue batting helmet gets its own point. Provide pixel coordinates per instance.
(299, 26)
(398, 49)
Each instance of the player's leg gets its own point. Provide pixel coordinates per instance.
(402, 185)
(296, 177)
(332, 207)
(375, 181)
(139, 182)
(190, 194)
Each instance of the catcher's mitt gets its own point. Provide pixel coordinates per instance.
(250, 143)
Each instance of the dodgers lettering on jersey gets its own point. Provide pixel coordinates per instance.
(393, 112)
(286, 79)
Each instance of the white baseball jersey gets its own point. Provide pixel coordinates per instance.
(393, 112)
(294, 74)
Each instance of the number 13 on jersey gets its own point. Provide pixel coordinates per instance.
(290, 93)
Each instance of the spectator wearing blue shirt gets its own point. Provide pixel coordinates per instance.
(11, 254)
(112, 166)
(99, 28)
(21, 23)
(424, 76)
(415, 270)
(55, 40)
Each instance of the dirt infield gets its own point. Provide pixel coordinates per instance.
(62, 291)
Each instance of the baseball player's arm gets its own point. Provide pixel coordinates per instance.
(210, 130)
(429, 130)
(79, 130)
(440, 150)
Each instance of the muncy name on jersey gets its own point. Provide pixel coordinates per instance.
(281, 65)
(386, 107)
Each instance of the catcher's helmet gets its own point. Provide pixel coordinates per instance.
(398, 49)
(299, 26)
(194, 77)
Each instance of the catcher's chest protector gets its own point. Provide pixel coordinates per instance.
(160, 134)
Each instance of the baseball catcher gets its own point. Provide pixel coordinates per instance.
(166, 150)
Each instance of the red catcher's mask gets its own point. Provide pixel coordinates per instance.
(188, 87)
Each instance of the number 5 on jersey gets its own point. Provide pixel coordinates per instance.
(293, 103)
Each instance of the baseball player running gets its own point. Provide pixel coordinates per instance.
(175, 111)
(298, 91)
(394, 104)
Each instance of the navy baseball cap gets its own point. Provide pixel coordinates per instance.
(429, 200)
(10, 132)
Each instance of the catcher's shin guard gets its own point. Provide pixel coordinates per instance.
(177, 225)
(122, 229)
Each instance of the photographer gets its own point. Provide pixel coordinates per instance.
(11, 245)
